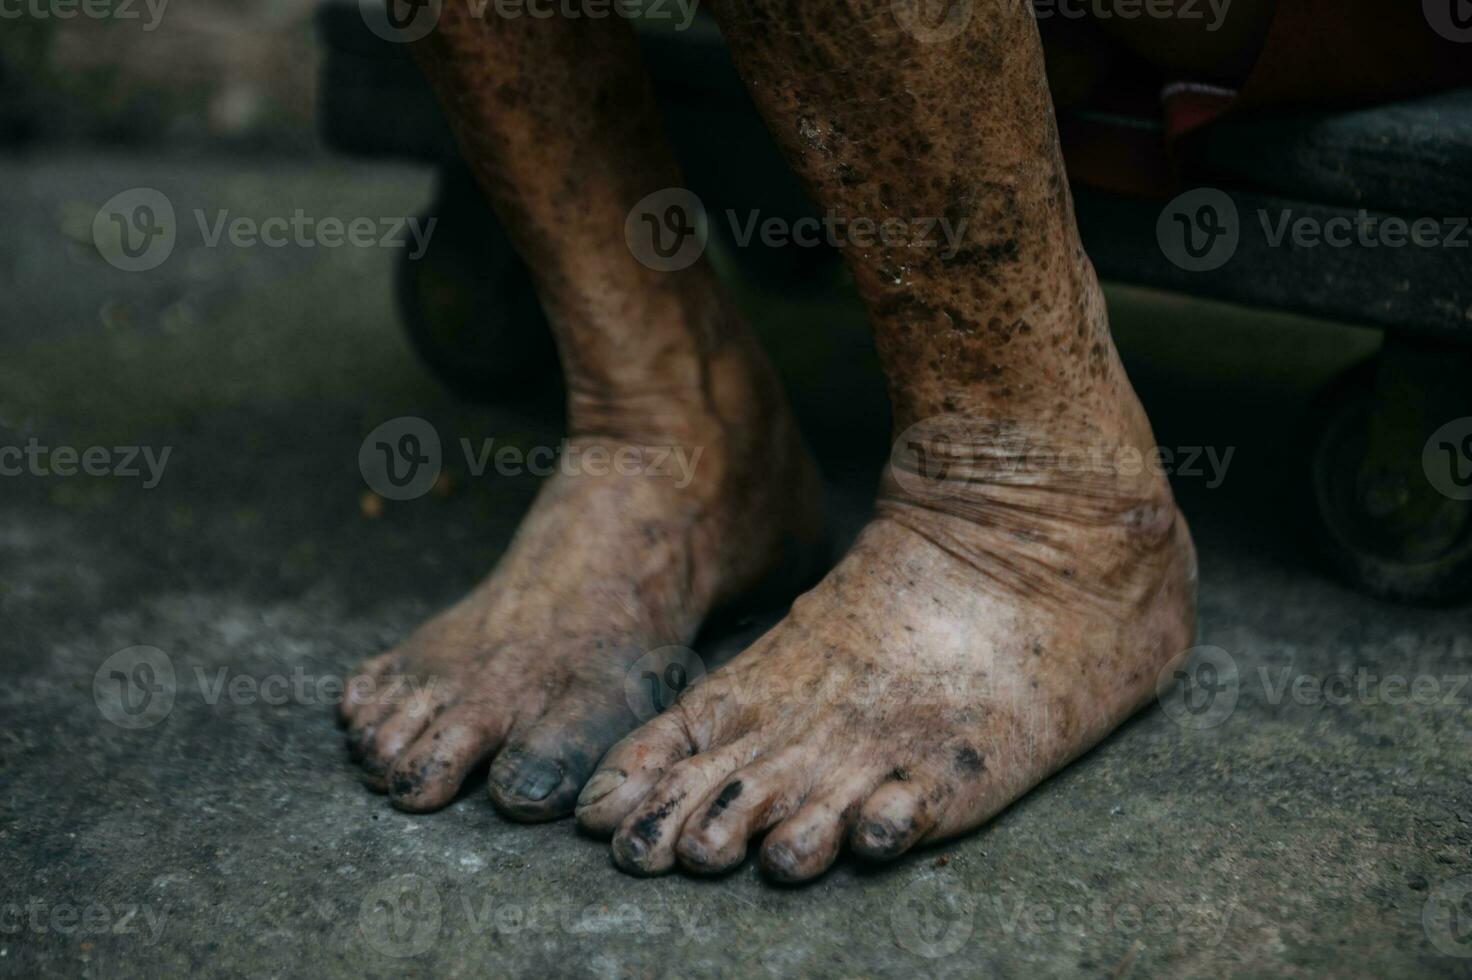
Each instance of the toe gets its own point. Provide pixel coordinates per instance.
(645, 841)
(807, 843)
(538, 775)
(361, 687)
(894, 818)
(362, 736)
(630, 771)
(396, 731)
(430, 772)
(745, 804)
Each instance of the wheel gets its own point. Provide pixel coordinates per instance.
(1380, 523)
(468, 305)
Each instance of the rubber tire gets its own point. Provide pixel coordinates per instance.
(1340, 524)
(468, 305)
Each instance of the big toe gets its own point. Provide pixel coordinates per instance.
(539, 774)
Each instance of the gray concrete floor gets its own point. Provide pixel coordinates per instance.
(1294, 837)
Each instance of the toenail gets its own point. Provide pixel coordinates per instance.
(780, 862)
(694, 852)
(404, 785)
(630, 850)
(604, 781)
(528, 776)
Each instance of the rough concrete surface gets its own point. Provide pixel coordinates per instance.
(1297, 836)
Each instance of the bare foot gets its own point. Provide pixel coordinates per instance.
(971, 643)
(529, 668)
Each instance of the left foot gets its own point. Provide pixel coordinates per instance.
(953, 660)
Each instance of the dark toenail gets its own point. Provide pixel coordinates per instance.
(779, 861)
(881, 839)
(631, 849)
(528, 776)
(404, 785)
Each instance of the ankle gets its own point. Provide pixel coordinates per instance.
(1016, 495)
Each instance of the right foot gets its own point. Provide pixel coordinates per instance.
(529, 669)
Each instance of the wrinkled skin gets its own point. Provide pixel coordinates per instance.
(1006, 608)
(1003, 612)
(557, 121)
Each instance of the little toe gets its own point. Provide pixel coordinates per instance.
(361, 686)
(431, 771)
(630, 771)
(894, 819)
(396, 732)
(645, 842)
(539, 774)
(745, 804)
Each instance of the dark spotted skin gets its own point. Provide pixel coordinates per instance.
(557, 121)
(1000, 616)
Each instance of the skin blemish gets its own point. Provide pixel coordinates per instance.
(969, 761)
(647, 827)
(719, 804)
